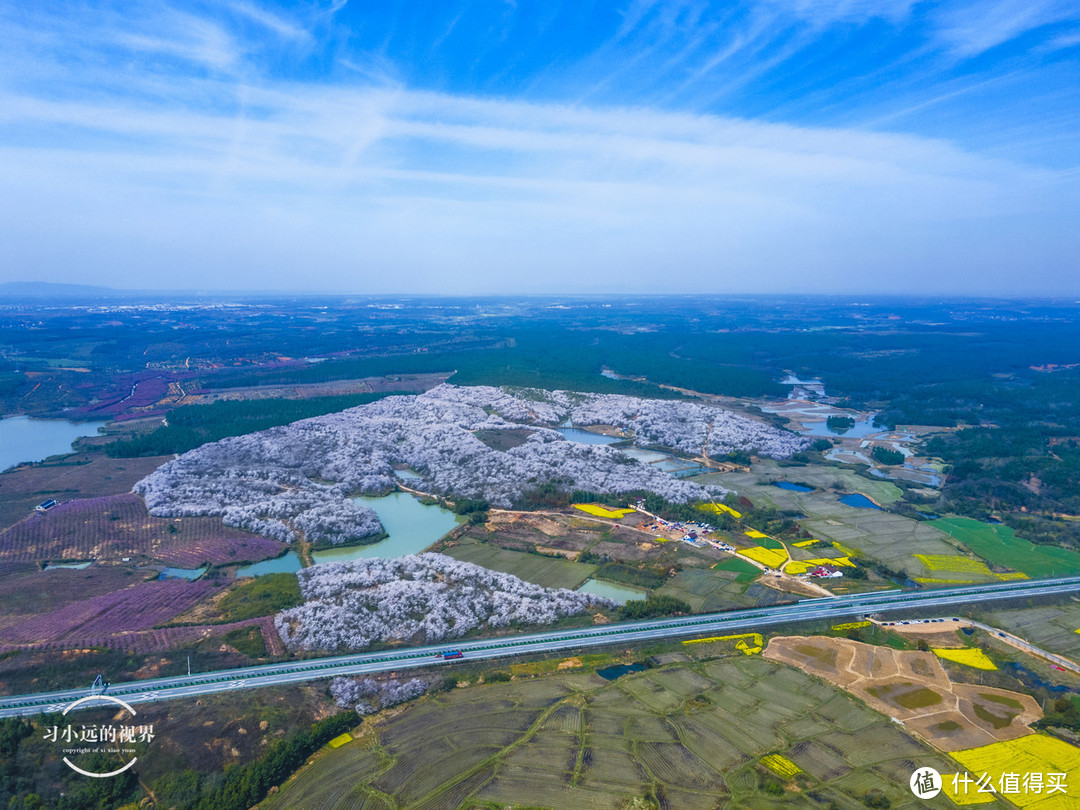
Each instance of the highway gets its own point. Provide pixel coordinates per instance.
(158, 689)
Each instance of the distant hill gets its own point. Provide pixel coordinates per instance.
(45, 289)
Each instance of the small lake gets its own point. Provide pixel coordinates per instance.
(411, 526)
(25, 439)
(792, 487)
(612, 590)
(862, 427)
(408, 475)
(617, 671)
(582, 436)
(182, 573)
(859, 500)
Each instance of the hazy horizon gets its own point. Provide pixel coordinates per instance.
(771, 146)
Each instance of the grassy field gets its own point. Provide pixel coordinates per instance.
(679, 736)
(1000, 545)
(745, 572)
(551, 572)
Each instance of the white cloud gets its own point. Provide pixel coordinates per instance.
(235, 179)
(971, 28)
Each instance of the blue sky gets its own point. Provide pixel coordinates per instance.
(864, 146)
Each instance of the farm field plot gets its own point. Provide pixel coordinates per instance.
(1036, 753)
(308, 789)
(1052, 627)
(1000, 545)
(707, 589)
(106, 606)
(693, 734)
(913, 688)
(84, 476)
(33, 592)
(550, 572)
(117, 526)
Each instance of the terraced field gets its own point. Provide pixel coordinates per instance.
(687, 735)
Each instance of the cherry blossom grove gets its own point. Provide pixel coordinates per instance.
(298, 478)
(419, 598)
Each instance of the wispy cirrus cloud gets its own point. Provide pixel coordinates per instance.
(202, 151)
(968, 29)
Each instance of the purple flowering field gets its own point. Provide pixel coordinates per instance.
(115, 526)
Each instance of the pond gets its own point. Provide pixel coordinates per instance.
(620, 593)
(182, 573)
(662, 461)
(617, 671)
(792, 487)
(25, 439)
(79, 566)
(411, 526)
(582, 436)
(642, 455)
(859, 500)
(408, 475)
(862, 427)
(287, 563)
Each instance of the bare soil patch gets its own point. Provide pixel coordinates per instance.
(913, 688)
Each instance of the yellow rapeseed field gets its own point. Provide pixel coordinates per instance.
(802, 566)
(967, 656)
(781, 765)
(720, 508)
(765, 556)
(749, 643)
(1033, 754)
(804, 543)
(850, 626)
(602, 511)
(953, 562)
(339, 741)
(754, 534)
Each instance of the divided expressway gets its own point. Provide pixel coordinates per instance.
(548, 642)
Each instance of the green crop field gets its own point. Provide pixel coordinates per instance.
(706, 589)
(682, 735)
(1000, 545)
(551, 572)
(745, 572)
